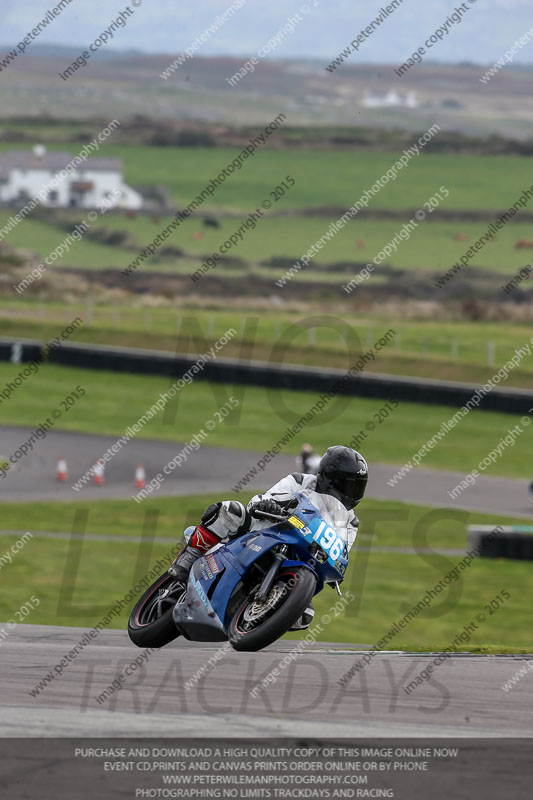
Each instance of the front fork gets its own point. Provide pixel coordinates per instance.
(268, 581)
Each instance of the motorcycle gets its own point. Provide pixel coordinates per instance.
(250, 590)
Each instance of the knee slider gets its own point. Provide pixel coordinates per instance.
(241, 516)
(229, 518)
(211, 513)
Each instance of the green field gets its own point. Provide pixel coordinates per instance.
(173, 514)
(384, 584)
(448, 350)
(431, 247)
(323, 178)
(114, 401)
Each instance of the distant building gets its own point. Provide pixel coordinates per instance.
(391, 99)
(23, 174)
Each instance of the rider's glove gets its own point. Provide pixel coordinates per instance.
(266, 505)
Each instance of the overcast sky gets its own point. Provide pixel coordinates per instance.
(488, 29)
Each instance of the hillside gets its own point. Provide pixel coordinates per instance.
(122, 85)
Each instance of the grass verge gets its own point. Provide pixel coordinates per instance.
(114, 401)
(385, 585)
(446, 350)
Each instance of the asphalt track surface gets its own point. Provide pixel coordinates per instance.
(464, 697)
(214, 470)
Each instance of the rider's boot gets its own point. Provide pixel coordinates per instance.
(200, 542)
(305, 620)
(220, 520)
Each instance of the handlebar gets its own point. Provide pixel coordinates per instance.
(273, 517)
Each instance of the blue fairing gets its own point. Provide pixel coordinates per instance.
(215, 576)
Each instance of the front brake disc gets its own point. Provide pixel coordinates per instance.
(257, 610)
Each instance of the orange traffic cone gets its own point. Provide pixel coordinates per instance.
(98, 473)
(140, 477)
(61, 472)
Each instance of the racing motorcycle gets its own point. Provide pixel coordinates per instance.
(250, 590)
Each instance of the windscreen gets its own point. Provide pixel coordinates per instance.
(333, 512)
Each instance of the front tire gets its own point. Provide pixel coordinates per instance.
(151, 623)
(254, 626)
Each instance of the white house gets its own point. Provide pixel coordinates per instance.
(391, 99)
(23, 174)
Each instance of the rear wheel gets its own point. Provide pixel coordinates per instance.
(256, 625)
(151, 623)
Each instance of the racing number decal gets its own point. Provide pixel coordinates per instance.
(325, 535)
(327, 539)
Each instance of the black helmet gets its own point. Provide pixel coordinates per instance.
(342, 473)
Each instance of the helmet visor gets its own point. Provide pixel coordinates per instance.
(351, 487)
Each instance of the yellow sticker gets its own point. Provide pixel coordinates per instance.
(297, 522)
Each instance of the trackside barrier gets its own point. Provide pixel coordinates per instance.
(19, 352)
(512, 541)
(259, 373)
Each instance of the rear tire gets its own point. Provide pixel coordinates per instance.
(151, 623)
(250, 636)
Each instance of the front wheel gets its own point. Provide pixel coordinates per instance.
(151, 623)
(256, 625)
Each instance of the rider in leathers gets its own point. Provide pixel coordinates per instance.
(340, 481)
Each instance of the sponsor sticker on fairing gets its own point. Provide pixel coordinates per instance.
(212, 564)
